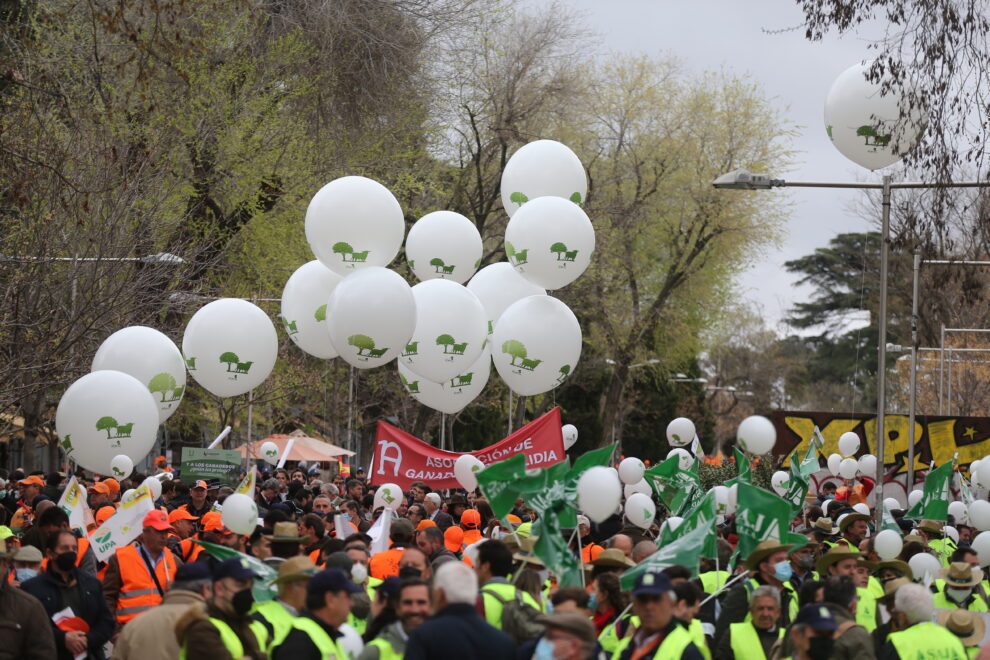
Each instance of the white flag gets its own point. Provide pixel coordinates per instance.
(380, 532)
(73, 502)
(246, 487)
(342, 527)
(124, 526)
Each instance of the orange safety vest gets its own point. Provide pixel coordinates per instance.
(83, 546)
(386, 564)
(589, 553)
(138, 592)
(190, 550)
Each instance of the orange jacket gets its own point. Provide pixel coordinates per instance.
(83, 546)
(138, 592)
(386, 564)
(589, 553)
(190, 550)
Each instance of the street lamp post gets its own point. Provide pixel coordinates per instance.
(743, 180)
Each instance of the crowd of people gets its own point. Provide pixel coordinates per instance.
(455, 582)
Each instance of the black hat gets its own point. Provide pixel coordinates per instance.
(817, 616)
(195, 570)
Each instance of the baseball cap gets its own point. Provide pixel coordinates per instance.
(423, 524)
(100, 487)
(194, 570)
(157, 520)
(652, 584)
(453, 538)
(237, 568)
(199, 484)
(33, 480)
(28, 553)
(817, 616)
(5, 532)
(180, 514)
(470, 518)
(103, 513)
(113, 485)
(513, 519)
(212, 521)
(583, 520)
(331, 579)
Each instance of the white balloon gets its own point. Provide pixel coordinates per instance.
(121, 466)
(868, 465)
(631, 470)
(450, 333)
(152, 358)
(453, 395)
(978, 513)
(733, 498)
(834, 460)
(230, 346)
(684, 458)
(925, 567)
(848, 444)
(680, 432)
(536, 344)
(952, 533)
(756, 435)
(443, 245)
(721, 499)
(539, 169)
(671, 523)
(550, 242)
(973, 468)
(154, 486)
(304, 308)
(889, 504)
(861, 507)
(498, 286)
(982, 546)
(866, 127)
(848, 468)
(983, 471)
(240, 514)
(570, 433)
(388, 495)
(640, 510)
(599, 492)
(913, 497)
(639, 487)
(371, 316)
(957, 510)
(888, 544)
(466, 469)
(780, 481)
(269, 452)
(105, 414)
(354, 223)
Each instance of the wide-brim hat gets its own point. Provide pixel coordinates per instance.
(613, 558)
(525, 552)
(764, 550)
(959, 574)
(824, 526)
(967, 626)
(890, 588)
(834, 554)
(931, 526)
(286, 532)
(295, 569)
(849, 518)
(866, 563)
(901, 567)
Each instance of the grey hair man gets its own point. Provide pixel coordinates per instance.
(917, 636)
(760, 632)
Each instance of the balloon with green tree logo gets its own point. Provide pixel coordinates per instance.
(443, 245)
(152, 358)
(450, 334)
(549, 241)
(454, 394)
(498, 286)
(304, 308)
(540, 169)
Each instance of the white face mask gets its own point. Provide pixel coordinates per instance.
(359, 573)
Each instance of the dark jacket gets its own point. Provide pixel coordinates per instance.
(735, 607)
(46, 588)
(202, 640)
(25, 633)
(456, 631)
(298, 645)
(443, 520)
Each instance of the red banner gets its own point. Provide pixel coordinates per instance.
(401, 458)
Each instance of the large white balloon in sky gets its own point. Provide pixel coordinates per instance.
(498, 286)
(354, 222)
(152, 358)
(453, 395)
(304, 308)
(864, 126)
(539, 169)
(230, 346)
(443, 245)
(549, 241)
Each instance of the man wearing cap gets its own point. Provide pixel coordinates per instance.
(25, 633)
(753, 639)
(386, 564)
(138, 576)
(432, 505)
(27, 564)
(958, 589)
(277, 615)
(30, 487)
(211, 530)
(769, 566)
(917, 636)
(225, 631)
(184, 524)
(812, 633)
(199, 504)
(99, 495)
(658, 635)
(589, 549)
(315, 633)
(471, 524)
(412, 608)
(151, 636)
(62, 585)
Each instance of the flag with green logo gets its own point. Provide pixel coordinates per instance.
(678, 489)
(263, 588)
(504, 482)
(797, 490)
(681, 552)
(887, 520)
(934, 502)
(743, 468)
(809, 465)
(551, 547)
(762, 516)
(701, 516)
(965, 492)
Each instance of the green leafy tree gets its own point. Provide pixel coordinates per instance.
(514, 348)
(230, 359)
(163, 382)
(105, 424)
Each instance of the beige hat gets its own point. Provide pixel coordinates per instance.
(28, 553)
(612, 557)
(901, 567)
(286, 532)
(959, 574)
(570, 622)
(824, 526)
(931, 526)
(834, 554)
(967, 626)
(294, 569)
(764, 550)
(849, 518)
(890, 588)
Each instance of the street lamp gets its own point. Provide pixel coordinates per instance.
(745, 180)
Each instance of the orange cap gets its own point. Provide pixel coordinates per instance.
(423, 524)
(103, 513)
(212, 521)
(100, 487)
(471, 519)
(514, 519)
(113, 485)
(156, 519)
(33, 480)
(453, 537)
(180, 514)
(200, 484)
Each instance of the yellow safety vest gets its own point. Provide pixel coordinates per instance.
(507, 592)
(673, 645)
(327, 646)
(385, 650)
(942, 601)
(792, 604)
(928, 640)
(866, 609)
(275, 614)
(231, 640)
(746, 643)
(697, 632)
(712, 580)
(609, 637)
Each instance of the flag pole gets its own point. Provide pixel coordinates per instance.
(726, 586)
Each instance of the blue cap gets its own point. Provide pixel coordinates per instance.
(195, 570)
(652, 584)
(331, 579)
(237, 568)
(390, 586)
(818, 616)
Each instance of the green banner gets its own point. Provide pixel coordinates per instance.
(682, 552)
(701, 516)
(762, 516)
(934, 502)
(223, 465)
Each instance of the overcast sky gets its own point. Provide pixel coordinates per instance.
(744, 37)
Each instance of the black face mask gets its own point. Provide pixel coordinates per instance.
(821, 648)
(407, 572)
(242, 601)
(65, 561)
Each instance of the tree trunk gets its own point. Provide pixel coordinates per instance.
(611, 410)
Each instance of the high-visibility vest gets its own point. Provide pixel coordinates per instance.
(386, 564)
(190, 551)
(976, 604)
(83, 547)
(138, 591)
(590, 552)
(712, 580)
(231, 640)
(928, 640)
(609, 637)
(942, 549)
(697, 632)
(673, 645)
(327, 646)
(490, 594)
(876, 589)
(746, 643)
(385, 650)
(866, 609)
(315, 556)
(792, 603)
(277, 616)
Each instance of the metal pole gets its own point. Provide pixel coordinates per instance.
(250, 417)
(350, 409)
(510, 413)
(948, 385)
(882, 343)
(913, 396)
(941, 368)
(443, 430)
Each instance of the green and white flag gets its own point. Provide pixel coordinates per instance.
(702, 516)
(73, 502)
(797, 489)
(553, 550)
(681, 552)
(762, 516)
(887, 520)
(263, 588)
(809, 465)
(742, 467)
(504, 482)
(934, 502)
(965, 492)
(678, 489)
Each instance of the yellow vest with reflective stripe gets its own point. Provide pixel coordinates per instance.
(928, 640)
(275, 614)
(385, 650)
(673, 645)
(493, 608)
(746, 643)
(866, 609)
(609, 637)
(327, 646)
(230, 639)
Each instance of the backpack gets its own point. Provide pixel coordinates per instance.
(518, 618)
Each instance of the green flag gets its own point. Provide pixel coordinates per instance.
(742, 467)
(263, 588)
(887, 520)
(965, 493)
(681, 552)
(595, 457)
(701, 516)
(506, 481)
(797, 491)
(810, 463)
(762, 516)
(553, 550)
(934, 502)
(678, 489)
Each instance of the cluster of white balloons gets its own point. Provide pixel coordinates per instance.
(844, 464)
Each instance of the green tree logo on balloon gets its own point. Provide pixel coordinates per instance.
(271, 453)
(234, 365)
(565, 371)
(164, 383)
(347, 253)
(290, 326)
(874, 136)
(576, 198)
(320, 314)
(66, 443)
(120, 431)
(366, 347)
(440, 267)
(518, 198)
(516, 257)
(412, 387)
(563, 254)
(458, 383)
(450, 345)
(520, 358)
